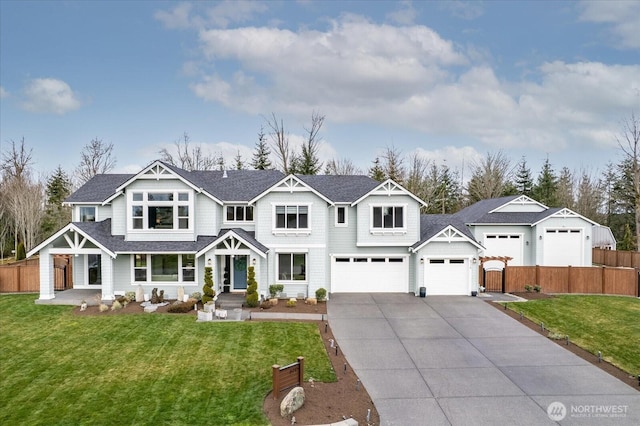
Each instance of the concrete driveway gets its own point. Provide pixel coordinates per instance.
(455, 360)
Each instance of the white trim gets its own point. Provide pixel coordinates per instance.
(346, 216)
(292, 253)
(451, 229)
(291, 184)
(521, 200)
(291, 250)
(388, 188)
(149, 280)
(226, 235)
(296, 246)
(87, 206)
(237, 223)
(72, 250)
(388, 231)
(290, 231)
(565, 214)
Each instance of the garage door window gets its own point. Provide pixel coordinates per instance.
(292, 266)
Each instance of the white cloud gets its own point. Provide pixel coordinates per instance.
(623, 16)
(49, 95)
(3, 93)
(456, 158)
(467, 10)
(405, 15)
(356, 71)
(224, 13)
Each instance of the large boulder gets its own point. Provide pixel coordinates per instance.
(292, 402)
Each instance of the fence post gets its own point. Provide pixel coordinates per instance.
(569, 279)
(504, 277)
(275, 370)
(538, 274)
(301, 370)
(638, 282)
(18, 280)
(603, 280)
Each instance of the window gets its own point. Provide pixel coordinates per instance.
(292, 266)
(292, 217)
(388, 217)
(239, 213)
(164, 268)
(87, 214)
(160, 210)
(341, 216)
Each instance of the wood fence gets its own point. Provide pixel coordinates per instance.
(24, 276)
(628, 259)
(565, 279)
(288, 376)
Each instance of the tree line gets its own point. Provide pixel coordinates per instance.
(31, 209)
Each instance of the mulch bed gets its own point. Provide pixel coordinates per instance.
(573, 348)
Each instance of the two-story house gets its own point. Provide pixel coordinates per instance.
(160, 227)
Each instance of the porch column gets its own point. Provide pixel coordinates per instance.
(46, 276)
(107, 277)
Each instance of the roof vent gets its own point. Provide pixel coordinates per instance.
(224, 174)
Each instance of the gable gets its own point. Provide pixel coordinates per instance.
(389, 188)
(564, 214)
(450, 234)
(290, 184)
(521, 204)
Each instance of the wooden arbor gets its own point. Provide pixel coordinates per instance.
(491, 284)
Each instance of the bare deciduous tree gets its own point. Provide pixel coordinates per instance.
(280, 140)
(309, 162)
(629, 143)
(341, 166)
(489, 177)
(95, 158)
(590, 197)
(188, 157)
(394, 164)
(16, 162)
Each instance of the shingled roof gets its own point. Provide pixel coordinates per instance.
(479, 213)
(432, 224)
(98, 188)
(340, 188)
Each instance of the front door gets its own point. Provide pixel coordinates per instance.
(239, 275)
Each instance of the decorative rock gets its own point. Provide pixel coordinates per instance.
(83, 306)
(180, 293)
(311, 301)
(273, 301)
(139, 294)
(292, 402)
(150, 308)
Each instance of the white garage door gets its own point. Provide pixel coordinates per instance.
(504, 245)
(563, 247)
(370, 274)
(446, 276)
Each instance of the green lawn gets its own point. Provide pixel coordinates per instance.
(59, 368)
(609, 324)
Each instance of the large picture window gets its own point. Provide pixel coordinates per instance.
(160, 210)
(292, 266)
(164, 268)
(388, 217)
(292, 217)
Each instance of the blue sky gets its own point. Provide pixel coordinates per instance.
(448, 80)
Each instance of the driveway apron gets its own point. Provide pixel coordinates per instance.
(455, 360)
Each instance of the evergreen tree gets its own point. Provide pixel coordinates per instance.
(627, 243)
(393, 165)
(57, 190)
(546, 188)
(447, 193)
(309, 164)
(376, 172)
(238, 161)
(221, 163)
(523, 180)
(261, 154)
(565, 192)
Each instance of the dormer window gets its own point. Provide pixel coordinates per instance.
(161, 210)
(87, 214)
(239, 214)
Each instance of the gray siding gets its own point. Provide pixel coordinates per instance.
(207, 213)
(446, 250)
(364, 212)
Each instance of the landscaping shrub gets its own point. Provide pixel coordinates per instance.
(252, 288)
(291, 303)
(116, 305)
(537, 288)
(195, 295)
(130, 295)
(103, 307)
(208, 292)
(181, 307)
(321, 294)
(528, 288)
(274, 289)
(21, 252)
(266, 305)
